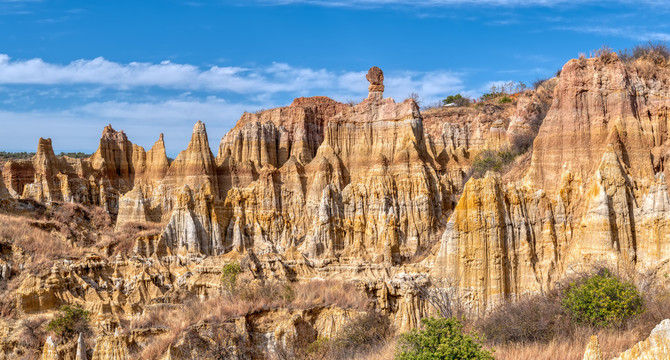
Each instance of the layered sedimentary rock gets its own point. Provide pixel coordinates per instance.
(376, 193)
(376, 198)
(498, 244)
(601, 101)
(455, 135)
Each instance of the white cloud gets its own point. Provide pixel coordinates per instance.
(276, 78)
(89, 94)
(259, 83)
(79, 128)
(634, 33)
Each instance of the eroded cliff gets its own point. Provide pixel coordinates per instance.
(377, 194)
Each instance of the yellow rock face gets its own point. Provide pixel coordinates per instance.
(593, 350)
(376, 193)
(498, 244)
(656, 346)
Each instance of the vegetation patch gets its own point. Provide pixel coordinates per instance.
(458, 100)
(442, 338)
(602, 300)
(360, 336)
(657, 52)
(489, 160)
(503, 90)
(229, 275)
(71, 321)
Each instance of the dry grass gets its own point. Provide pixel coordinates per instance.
(42, 246)
(328, 293)
(316, 293)
(537, 327)
(122, 241)
(385, 352)
(612, 343)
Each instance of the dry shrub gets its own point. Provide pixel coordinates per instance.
(122, 241)
(99, 217)
(79, 223)
(534, 319)
(329, 293)
(41, 245)
(362, 335)
(386, 351)
(657, 308)
(656, 52)
(645, 68)
(216, 310)
(31, 332)
(605, 54)
(612, 343)
(74, 213)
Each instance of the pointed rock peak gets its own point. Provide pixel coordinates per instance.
(199, 128)
(199, 139)
(660, 178)
(159, 144)
(44, 147)
(81, 348)
(593, 350)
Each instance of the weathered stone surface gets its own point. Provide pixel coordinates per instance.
(376, 193)
(50, 351)
(593, 350)
(376, 78)
(498, 244)
(656, 346)
(599, 100)
(111, 347)
(80, 353)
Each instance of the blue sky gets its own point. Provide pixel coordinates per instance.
(68, 68)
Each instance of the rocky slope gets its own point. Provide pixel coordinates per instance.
(378, 194)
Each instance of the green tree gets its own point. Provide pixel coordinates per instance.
(442, 339)
(457, 99)
(602, 300)
(229, 275)
(71, 321)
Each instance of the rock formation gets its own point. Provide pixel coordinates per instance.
(376, 78)
(656, 346)
(593, 350)
(377, 193)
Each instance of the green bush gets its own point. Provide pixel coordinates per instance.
(504, 100)
(457, 99)
(602, 300)
(71, 321)
(489, 160)
(229, 275)
(441, 339)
